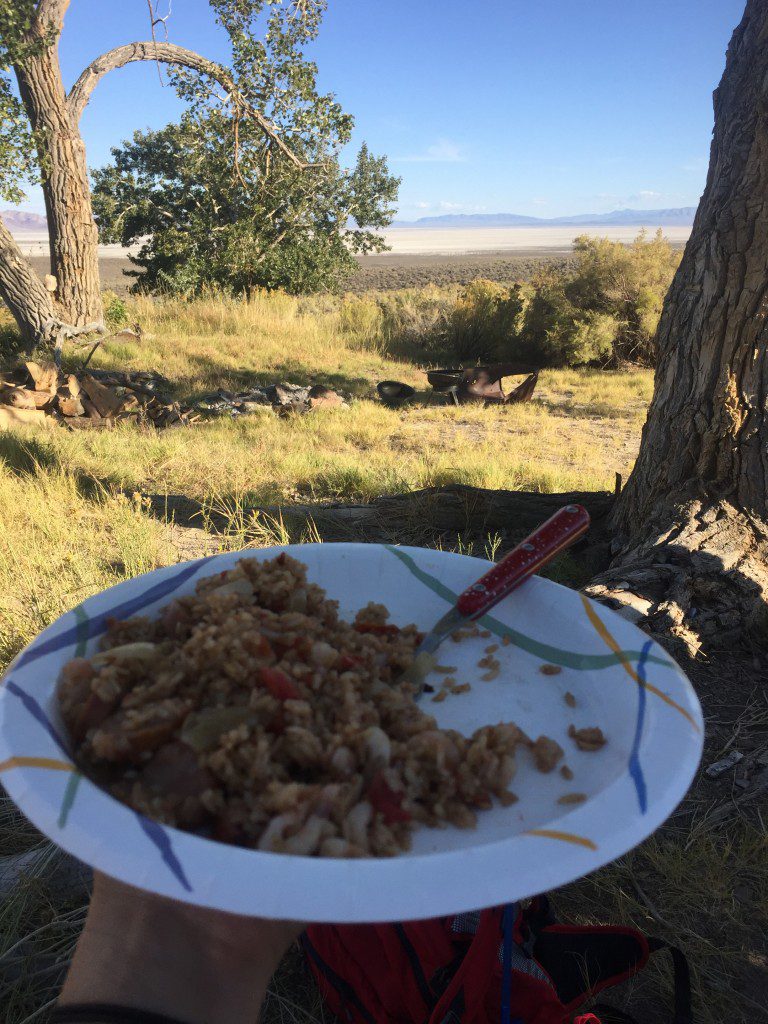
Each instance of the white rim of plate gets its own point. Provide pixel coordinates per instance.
(85, 821)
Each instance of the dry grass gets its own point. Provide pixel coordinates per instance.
(581, 428)
(709, 898)
(66, 531)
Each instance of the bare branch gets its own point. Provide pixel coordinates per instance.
(169, 53)
(153, 20)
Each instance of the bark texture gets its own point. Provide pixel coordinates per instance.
(23, 291)
(692, 522)
(706, 433)
(72, 231)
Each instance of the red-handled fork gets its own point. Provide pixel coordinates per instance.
(553, 536)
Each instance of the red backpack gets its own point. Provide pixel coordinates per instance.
(506, 965)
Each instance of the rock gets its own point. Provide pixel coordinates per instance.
(319, 395)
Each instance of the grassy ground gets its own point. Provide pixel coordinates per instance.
(69, 527)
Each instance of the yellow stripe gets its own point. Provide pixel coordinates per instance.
(36, 762)
(565, 837)
(602, 630)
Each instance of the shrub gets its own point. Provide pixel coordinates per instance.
(555, 332)
(408, 323)
(485, 320)
(115, 309)
(629, 283)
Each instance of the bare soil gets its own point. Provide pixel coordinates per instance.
(386, 271)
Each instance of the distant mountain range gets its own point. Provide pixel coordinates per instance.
(17, 220)
(681, 217)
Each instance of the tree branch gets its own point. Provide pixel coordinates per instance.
(167, 53)
(51, 12)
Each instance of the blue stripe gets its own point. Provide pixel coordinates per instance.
(37, 713)
(635, 769)
(98, 623)
(162, 841)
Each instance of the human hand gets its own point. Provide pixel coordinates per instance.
(151, 953)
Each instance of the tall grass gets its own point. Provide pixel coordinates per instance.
(61, 540)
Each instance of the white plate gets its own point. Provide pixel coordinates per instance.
(622, 682)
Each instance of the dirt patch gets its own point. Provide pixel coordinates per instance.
(384, 271)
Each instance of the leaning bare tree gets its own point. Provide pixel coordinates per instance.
(45, 116)
(693, 519)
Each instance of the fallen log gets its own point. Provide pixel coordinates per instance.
(419, 517)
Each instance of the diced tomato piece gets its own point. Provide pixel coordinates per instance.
(258, 645)
(349, 661)
(377, 628)
(387, 801)
(278, 683)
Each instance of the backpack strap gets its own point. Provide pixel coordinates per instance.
(682, 1012)
(474, 975)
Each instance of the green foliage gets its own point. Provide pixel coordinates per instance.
(215, 201)
(486, 316)
(17, 145)
(407, 323)
(602, 308)
(628, 283)
(115, 309)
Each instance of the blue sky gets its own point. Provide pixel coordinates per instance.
(542, 107)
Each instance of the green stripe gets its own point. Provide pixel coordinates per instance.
(553, 655)
(69, 797)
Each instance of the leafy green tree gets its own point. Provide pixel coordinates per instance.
(270, 112)
(205, 215)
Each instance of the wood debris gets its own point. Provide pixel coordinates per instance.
(87, 398)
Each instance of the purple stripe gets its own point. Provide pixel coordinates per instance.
(635, 770)
(162, 841)
(154, 831)
(37, 713)
(98, 623)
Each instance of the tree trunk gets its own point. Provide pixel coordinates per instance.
(23, 292)
(72, 230)
(697, 500)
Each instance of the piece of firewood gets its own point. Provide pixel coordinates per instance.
(18, 398)
(105, 400)
(71, 407)
(44, 375)
(42, 399)
(90, 410)
(21, 417)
